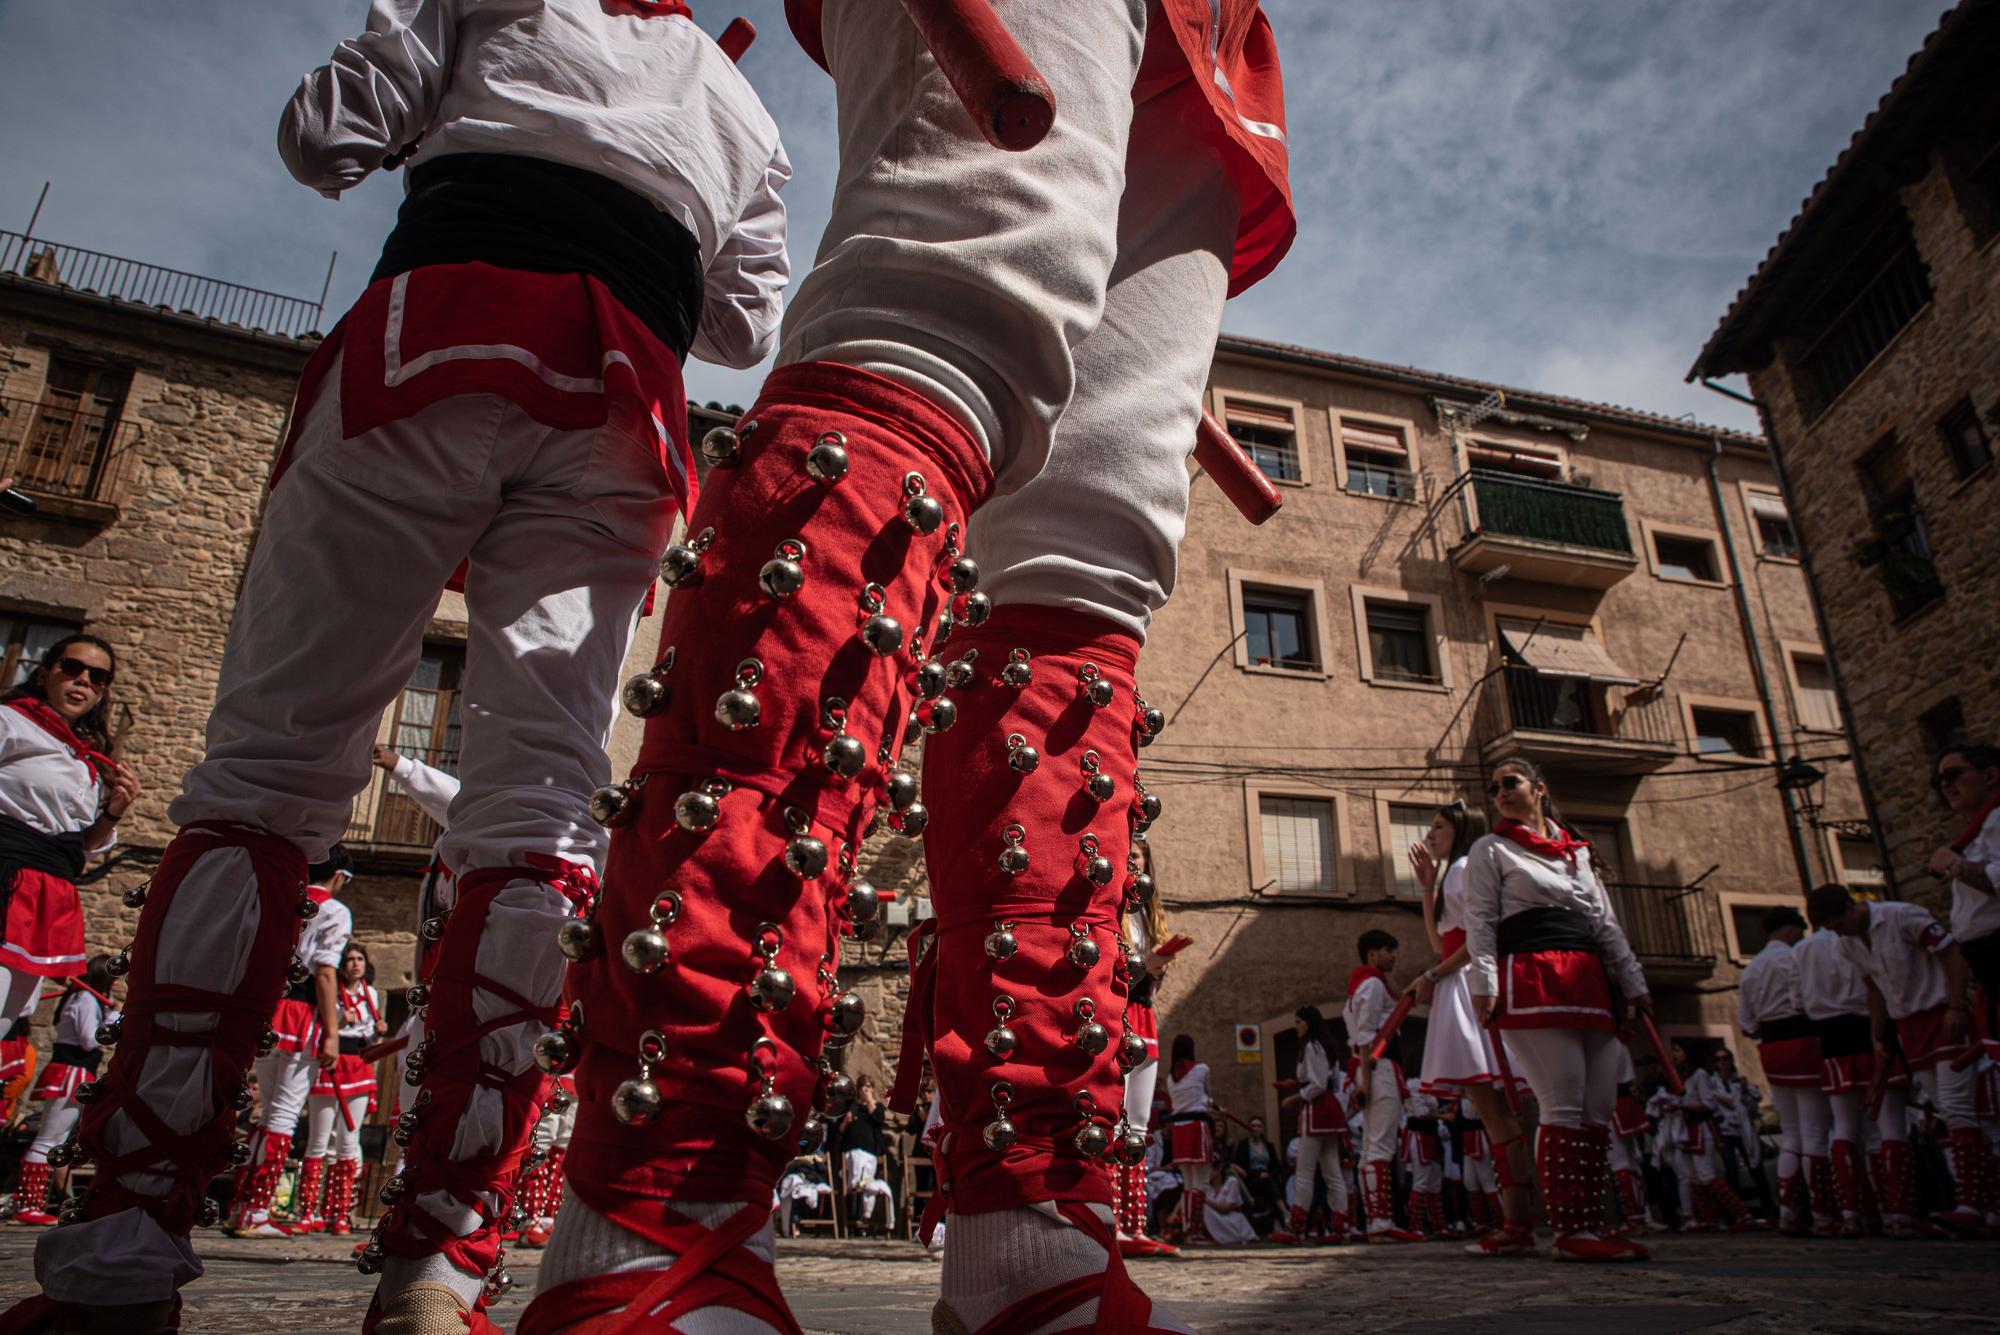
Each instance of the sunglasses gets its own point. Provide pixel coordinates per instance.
(76, 667)
(1946, 777)
(1506, 785)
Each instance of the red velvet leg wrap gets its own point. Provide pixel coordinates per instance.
(1632, 1194)
(1564, 1162)
(827, 540)
(31, 1192)
(194, 1159)
(1020, 982)
(261, 1186)
(340, 1195)
(1897, 1182)
(447, 1065)
(1380, 1189)
(1826, 1195)
(305, 1200)
(1849, 1170)
(553, 1191)
(1966, 1148)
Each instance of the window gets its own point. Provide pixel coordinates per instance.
(1298, 843)
(1747, 921)
(1607, 848)
(1279, 629)
(28, 638)
(1819, 707)
(1775, 535)
(1965, 439)
(1493, 456)
(1725, 732)
(1377, 459)
(1942, 727)
(1691, 560)
(70, 430)
(425, 727)
(1399, 641)
(1269, 435)
(1896, 547)
(1408, 824)
(1860, 310)
(1861, 865)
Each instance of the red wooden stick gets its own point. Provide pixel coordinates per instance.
(1391, 1025)
(1673, 1077)
(1507, 1090)
(1006, 95)
(736, 38)
(77, 982)
(376, 1052)
(1240, 479)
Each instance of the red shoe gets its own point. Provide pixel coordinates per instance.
(35, 1216)
(1588, 1247)
(1509, 1240)
(1911, 1230)
(1142, 1245)
(1388, 1235)
(536, 1237)
(340, 1228)
(1962, 1222)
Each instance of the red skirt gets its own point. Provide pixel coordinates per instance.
(349, 1078)
(297, 1023)
(59, 1080)
(1324, 1117)
(1792, 1061)
(1923, 1038)
(1554, 989)
(44, 932)
(1839, 1074)
(1146, 1024)
(13, 1059)
(1628, 1116)
(1192, 1141)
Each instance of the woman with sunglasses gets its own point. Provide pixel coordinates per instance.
(342, 1097)
(1547, 964)
(1458, 1051)
(61, 798)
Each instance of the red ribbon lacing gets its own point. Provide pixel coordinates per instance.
(39, 713)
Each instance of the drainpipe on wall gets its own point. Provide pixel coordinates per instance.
(1826, 640)
(1743, 613)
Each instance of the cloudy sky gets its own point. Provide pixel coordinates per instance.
(1557, 194)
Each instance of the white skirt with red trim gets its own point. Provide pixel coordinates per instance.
(1628, 1117)
(1458, 1050)
(1324, 1117)
(1554, 989)
(1924, 1041)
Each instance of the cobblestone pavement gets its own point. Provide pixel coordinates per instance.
(1727, 1285)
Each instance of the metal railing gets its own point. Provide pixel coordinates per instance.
(161, 288)
(1667, 923)
(1889, 300)
(1380, 480)
(1519, 507)
(384, 816)
(62, 449)
(1520, 699)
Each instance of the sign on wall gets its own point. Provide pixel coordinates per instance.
(1249, 1045)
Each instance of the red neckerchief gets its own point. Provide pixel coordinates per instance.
(363, 1002)
(1181, 1068)
(55, 725)
(1971, 832)
(1564, 845)
(648, 9)
(1362, 975)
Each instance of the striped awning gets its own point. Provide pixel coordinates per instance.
(1556, 649)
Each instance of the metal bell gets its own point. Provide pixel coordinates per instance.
(555, 1053)
(1098, 870)
(844, 755)
(121, 964)
(1095, 688)
(805, 856)
(433, 926)
(1130, 1147)
(369, 1262)
(938, 715)
(1153, 721)
(1132, 1052)
(1149, 806)
(61, 1156)
(240, 1152)
(772, 989)
(107, 1033)
(267, 1042)
(1093, 1037)
(1092, 1140)
(782, 575)
(1001, 943)
(911, 820)
(863, 902)
(503, 1280)
(978, 607)
(882, 634)
(406, 1129)
(241, 1100)
(1021, 758)
(836, 1095)
(306, 909)
(827, 462)
(1001, 1041)
(136, 896)
(611, 805)
(902, 789)
(930, 679)
(1135, 961)
(208, 1214)
(1013, 858)
(722, 447)
(913, 728)
(645, 695)
(921, 512)
(964, 575)
(1017, 673)
(86, 1093)
(1000, 1134)
(696, 811)
(394, 1189)
(769, 1115)
(1142, 885)
(680, 568)
(1083, 952)
(637, 1102)
(419, 996)
(577, 939)
(959, 673)
(645, 950)
(738, 710)
(559, 1101)
(296, 972)
(811, 1134)
(1101, 786)
(845, 1015)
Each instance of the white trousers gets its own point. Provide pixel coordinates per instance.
(20, 993)
(858, 1167)
(284, 1084)
(1426, 1176)
(1574, 1073)
(1805, 1125)
(58, 1116)
(1955, 1094)
(1321, 1153)
(1382, 1118)
(1850, 1117)
(327, 1130)
(564, 531)
(1139, 1086)
(1705, 1163)
(1479, 1177)
(1063, 303)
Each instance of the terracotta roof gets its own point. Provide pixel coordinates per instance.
(1956, 36)
(1439, 382)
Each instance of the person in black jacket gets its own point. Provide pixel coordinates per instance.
(1261, 1165)
(863, 1134)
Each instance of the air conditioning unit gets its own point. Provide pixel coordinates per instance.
(896, 914)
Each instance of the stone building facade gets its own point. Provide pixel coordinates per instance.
(1871, 338)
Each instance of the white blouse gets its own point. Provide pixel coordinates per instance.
(43, 783)
(1451, 898)
(1899, 956)
(1502, 879)
(1189, 1093)
(1830, 983)
(363, 1026)
(1769, 988)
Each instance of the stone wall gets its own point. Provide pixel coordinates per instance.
(1895, 671)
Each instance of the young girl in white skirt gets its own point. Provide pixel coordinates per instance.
(1459, 1060)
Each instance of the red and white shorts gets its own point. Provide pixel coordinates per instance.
(1792, 1061)
(1554, 989)
(1324, 1117)
(44, 929)
(350, 1078)
(297, 1023)
(59, 1080)
(1628, 1117)
(1923, 1039)
(1191, 1141)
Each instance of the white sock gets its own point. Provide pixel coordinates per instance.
(585, 1243)
(998, 1258)
(399, 1272)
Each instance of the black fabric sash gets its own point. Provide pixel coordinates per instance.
(517, 212)
(302, 992)
(351, 1045)
(1545, 927)
(1785, 1029)
(1844, 1036)
(69, 1054)
(22, 846)
(1423, 1126)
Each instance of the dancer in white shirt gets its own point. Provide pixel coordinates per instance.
(1319, 1093)
(1379, 1082)
(1770, 1007)
(82, 1023)
(342, 1098)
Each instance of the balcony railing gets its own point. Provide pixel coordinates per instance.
(1667, 924)
(1518, 507)
(1380, 480)
(59, 449)
(1576, 723)
(161, 288)
(1890, 300)
(385, 817)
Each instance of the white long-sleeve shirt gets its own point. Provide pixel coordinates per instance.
(1769, 989)
(1315, 1071)
(650, 103)
(77, 1020)
(428, 786)
(1451, 898)
(1189, 1093)
(45, 785)
(1502, 879)
(1830, 983)
(1974, 912)
(1900, 956)
(1367, 1011)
